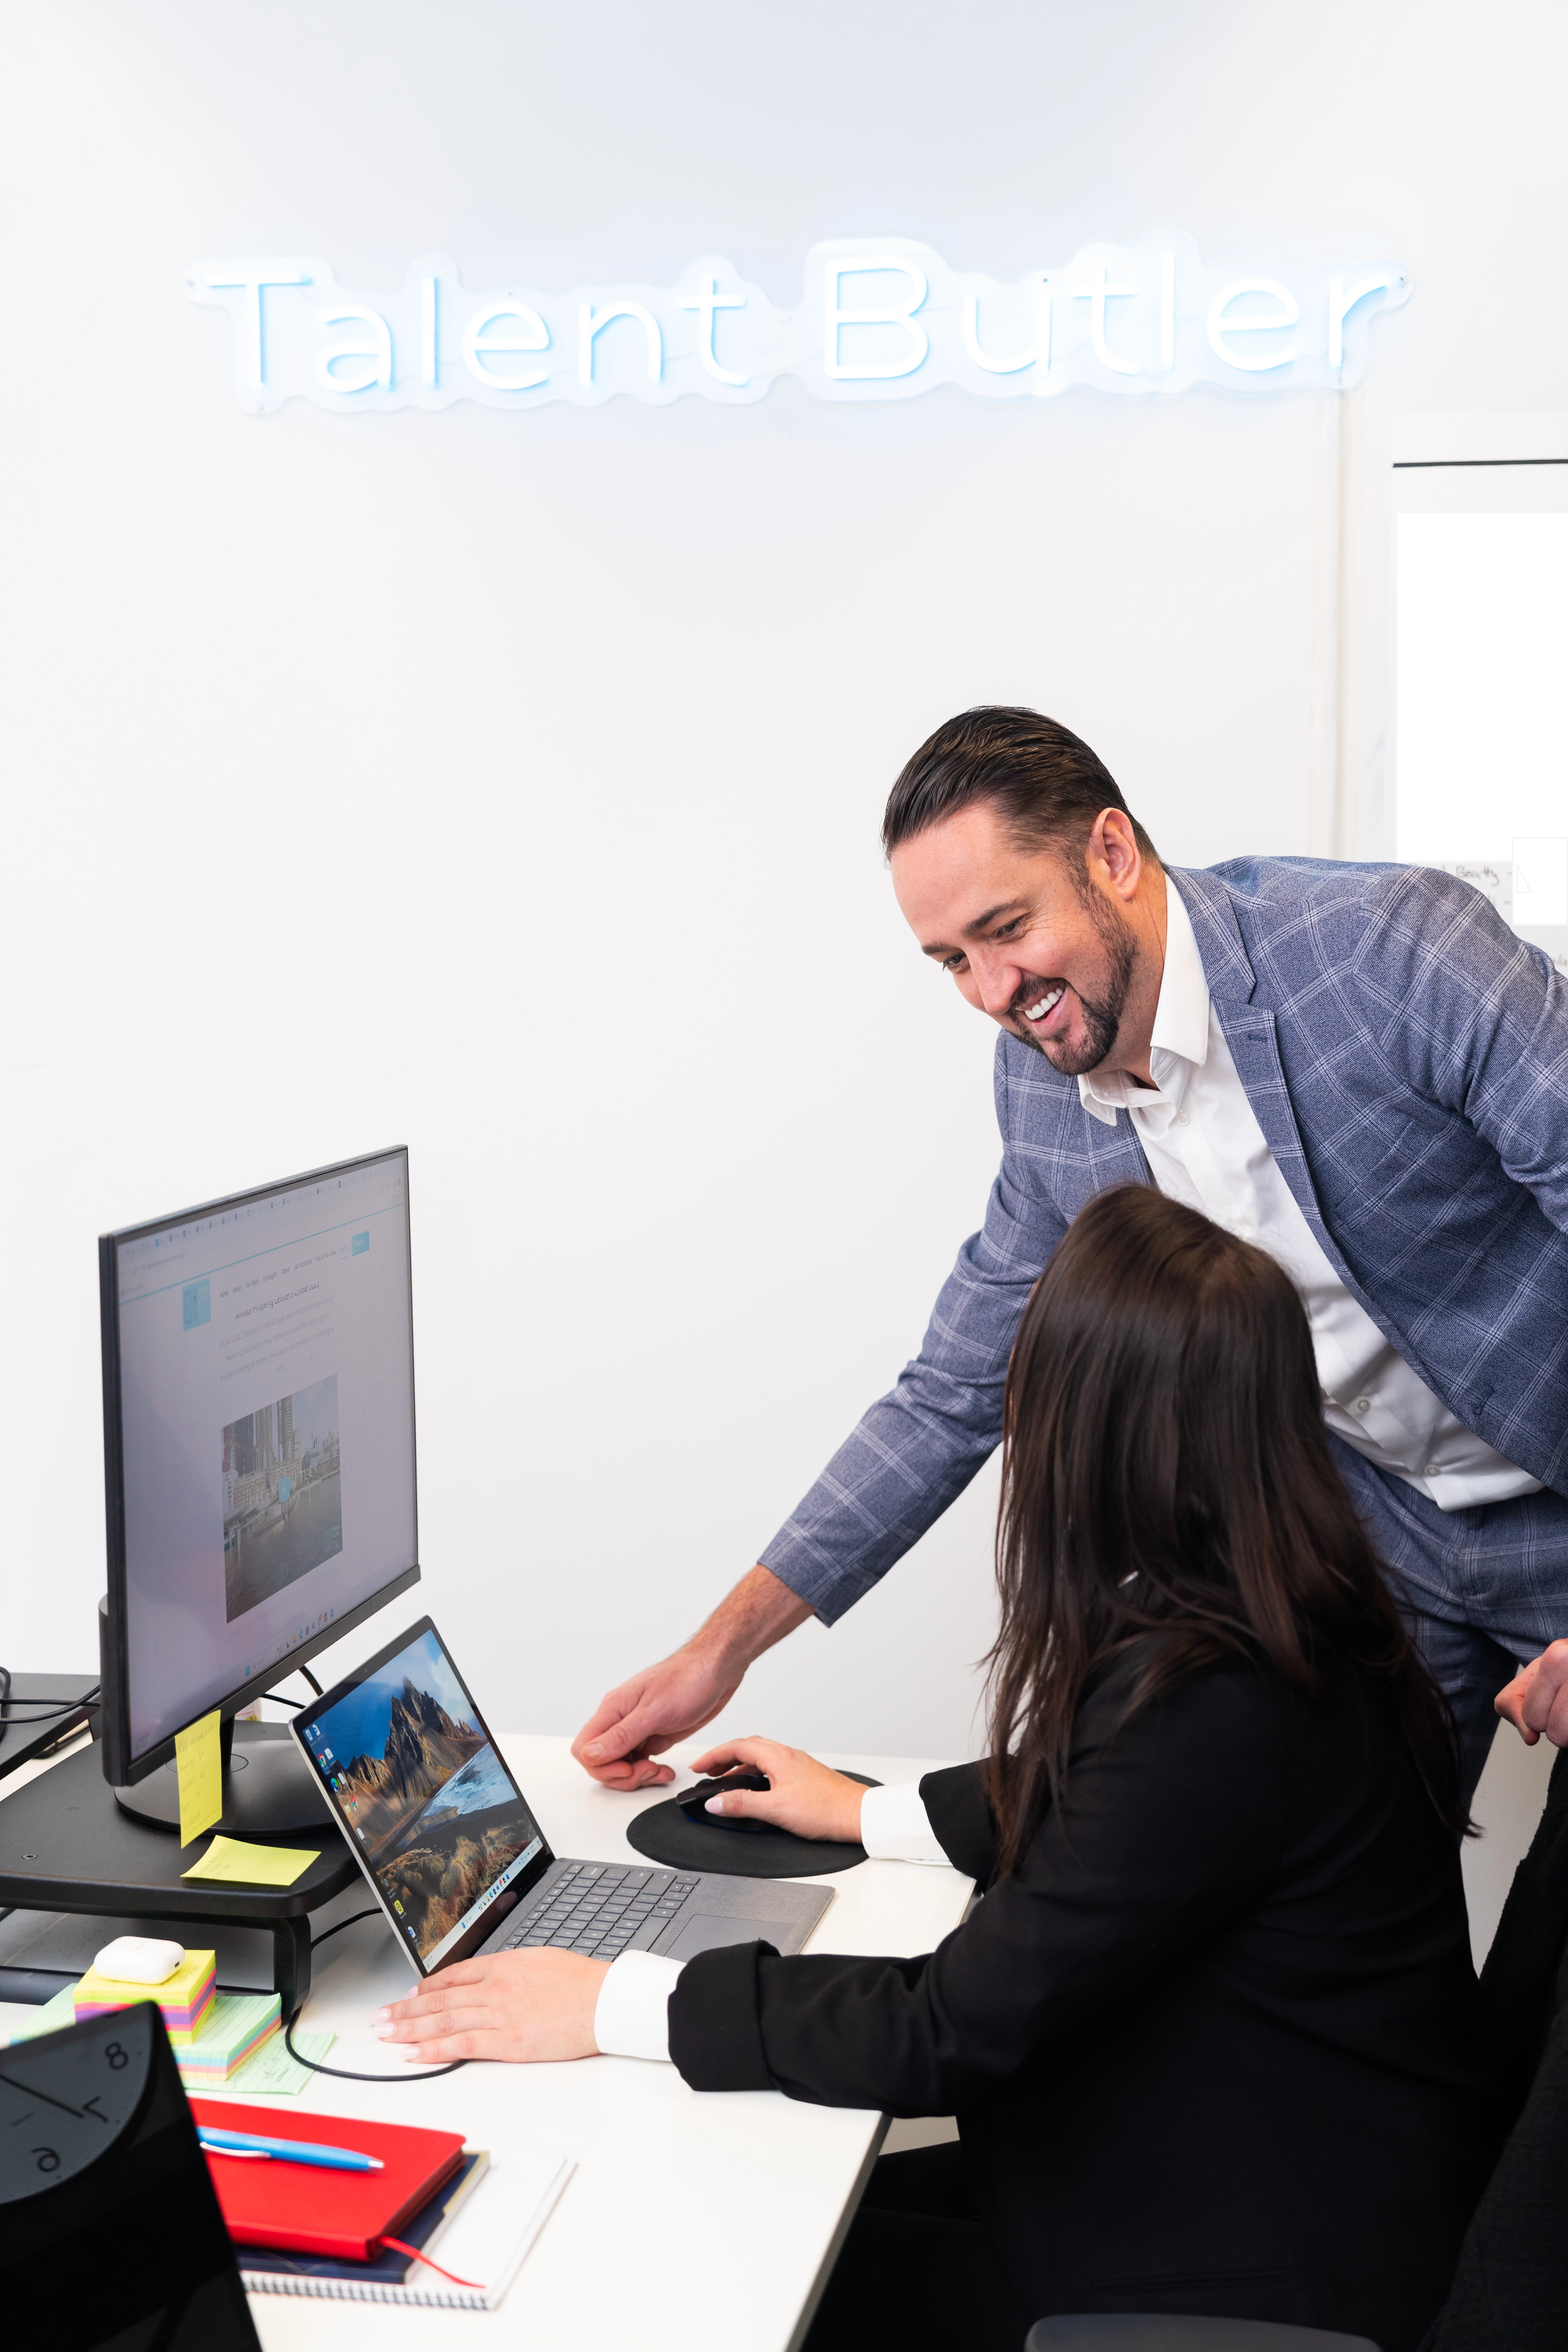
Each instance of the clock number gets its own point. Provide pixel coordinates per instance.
(47, 2161)
(116, 2056)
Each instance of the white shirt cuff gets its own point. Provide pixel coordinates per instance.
(896, 1827)
(631, 2016)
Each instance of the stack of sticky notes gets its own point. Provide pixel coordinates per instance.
(236, 2028)
(186, 1995)
(240, 2028)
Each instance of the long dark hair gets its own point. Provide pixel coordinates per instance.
(1166, 1482)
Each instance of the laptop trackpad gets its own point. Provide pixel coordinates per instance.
(702, 1932)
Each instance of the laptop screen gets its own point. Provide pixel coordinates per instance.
(421, 1792)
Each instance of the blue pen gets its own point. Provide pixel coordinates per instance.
(288, 2151)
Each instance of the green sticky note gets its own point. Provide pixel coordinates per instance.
(274, 2074)
(198, 1760)
(51, 2016)
(236, 1864)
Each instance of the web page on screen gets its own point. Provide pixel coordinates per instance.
(266, 1407)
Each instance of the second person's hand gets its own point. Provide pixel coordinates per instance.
(626, 1731)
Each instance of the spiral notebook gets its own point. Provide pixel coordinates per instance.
(480, 2226)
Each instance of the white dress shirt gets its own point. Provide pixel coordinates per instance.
(1204, 1146)
(631, 2017)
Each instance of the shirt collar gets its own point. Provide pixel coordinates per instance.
(1180, 1043)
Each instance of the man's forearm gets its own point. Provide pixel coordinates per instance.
(757, 1613)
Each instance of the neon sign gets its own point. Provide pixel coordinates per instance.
(879, 319)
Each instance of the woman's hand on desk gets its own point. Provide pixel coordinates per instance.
(802, 1795)
(535, 2004)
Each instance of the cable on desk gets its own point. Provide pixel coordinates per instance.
(47, 1709)
(346, 2073)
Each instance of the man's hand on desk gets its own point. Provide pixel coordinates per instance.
(802, 1795)
(677, 1698)
(1536, 1701)
(528, 2006)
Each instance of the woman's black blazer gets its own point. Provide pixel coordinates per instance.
(1209, 2045)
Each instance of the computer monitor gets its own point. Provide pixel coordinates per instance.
(258, 1465)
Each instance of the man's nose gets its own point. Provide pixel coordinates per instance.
(996, 982)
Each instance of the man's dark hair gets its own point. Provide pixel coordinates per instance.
(1045, 784)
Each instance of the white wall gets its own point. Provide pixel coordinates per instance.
(509, 784)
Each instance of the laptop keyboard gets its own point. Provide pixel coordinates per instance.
(598, 1907)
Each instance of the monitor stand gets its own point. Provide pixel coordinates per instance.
(268, 1791)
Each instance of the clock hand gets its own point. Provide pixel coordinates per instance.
(31, 2091)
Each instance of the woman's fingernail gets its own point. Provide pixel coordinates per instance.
(714, 1805)
(381, 2017)
(385, 2032)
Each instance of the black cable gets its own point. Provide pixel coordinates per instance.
(352, 1921)
(310, 1678)
(278, 1700)
(345, 2073)
(47, 1711)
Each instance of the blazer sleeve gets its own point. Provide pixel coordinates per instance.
(1474, 1018)
(963, 1824)
(919, 1446)
(1170, 1826)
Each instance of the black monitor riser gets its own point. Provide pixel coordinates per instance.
(67, 1845)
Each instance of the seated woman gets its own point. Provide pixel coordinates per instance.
(1208, 2034)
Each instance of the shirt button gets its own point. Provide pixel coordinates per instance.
(1363, 1404)
(1182, 1119)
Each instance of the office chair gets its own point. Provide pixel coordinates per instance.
(1509, 2291)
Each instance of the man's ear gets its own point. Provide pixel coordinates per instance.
(1113, 847)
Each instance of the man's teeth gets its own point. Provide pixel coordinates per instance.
(1052, 996)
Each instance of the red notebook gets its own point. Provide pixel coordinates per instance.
(307, 2210)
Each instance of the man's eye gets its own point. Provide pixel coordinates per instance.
(953, 962)
(1006, 930)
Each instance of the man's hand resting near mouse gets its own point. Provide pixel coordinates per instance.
(1536, 1701)
(802, 1795)
(675, 1698)
(511, 2005)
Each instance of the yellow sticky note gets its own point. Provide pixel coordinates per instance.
(252, 1866)
(198, 1760)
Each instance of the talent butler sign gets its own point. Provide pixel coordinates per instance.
(880, 319)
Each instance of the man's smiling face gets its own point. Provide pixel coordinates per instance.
(1065, 954)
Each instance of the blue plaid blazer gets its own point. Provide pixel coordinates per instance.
(1408, 1059)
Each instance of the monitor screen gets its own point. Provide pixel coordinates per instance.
(263, 1353)
(439, 1825)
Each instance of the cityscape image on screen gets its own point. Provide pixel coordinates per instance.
(282, 1493)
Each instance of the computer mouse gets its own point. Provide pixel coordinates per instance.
(695, 1801)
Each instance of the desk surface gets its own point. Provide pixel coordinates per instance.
(615, 2262)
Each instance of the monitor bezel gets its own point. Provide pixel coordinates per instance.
(484, 1927)
(121, 1768)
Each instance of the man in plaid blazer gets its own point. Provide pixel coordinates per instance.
(1359, 1068)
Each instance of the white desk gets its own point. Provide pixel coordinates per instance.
(620, 2259)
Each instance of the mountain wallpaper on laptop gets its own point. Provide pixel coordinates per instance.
(423, 1748)
(436, 1811)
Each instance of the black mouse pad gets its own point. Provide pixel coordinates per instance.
(665, 1835)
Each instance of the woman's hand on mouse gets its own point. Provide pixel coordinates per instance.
(536, 2004)
(802, 1795)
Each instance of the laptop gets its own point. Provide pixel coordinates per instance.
(455, 1857)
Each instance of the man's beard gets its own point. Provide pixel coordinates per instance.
(1101, 1015)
